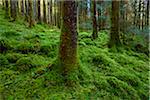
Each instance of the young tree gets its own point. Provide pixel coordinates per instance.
(95, 34)
(114, 34)
(68, 38)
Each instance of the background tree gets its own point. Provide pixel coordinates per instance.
(95, 34)
(13, 9)
(31, 21)
(6, 9)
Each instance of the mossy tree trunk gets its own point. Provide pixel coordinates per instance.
(68, 38)
(95, 34)
(115, 27)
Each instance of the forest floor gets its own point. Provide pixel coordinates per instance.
(27, 55)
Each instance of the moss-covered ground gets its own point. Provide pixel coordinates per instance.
(27, 55)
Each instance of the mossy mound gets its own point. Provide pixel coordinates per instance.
(4, 45)
(3, 60)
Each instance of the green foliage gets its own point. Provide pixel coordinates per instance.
(3, 60)
(13, 57)
(10, 34)
(103, 74)
(4, 45)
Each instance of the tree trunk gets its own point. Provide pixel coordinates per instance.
(139, 17)
(135, 13)
(6, 9)
(114, 34)
(147, 14)
(13, 9)
(22, 7)
(31, 22)
(27, 10)
(39, 11)
(68, 38)
(44, 12)
(95, 34)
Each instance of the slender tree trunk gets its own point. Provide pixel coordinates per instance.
(114, 34)
(31, 22)
(139, 17)
(143, 15)
(44, 12)
(58, 14)
(13, 9)
(135, 13)
(27, 10)
(49, 14)
(147, 14)
(6, 9)
(39, 11)
(95, 34)
(99, 16)
(22, 7)
(68, 38)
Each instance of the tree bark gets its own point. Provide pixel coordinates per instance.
(114, 34)
(68, 38)
(13, 9)
(31, 22)
(44, 12)
(39, 11)
(95, 34)
(6, 9)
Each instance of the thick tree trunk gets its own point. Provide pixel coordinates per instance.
(68, 38)
(114, 35)
(95, 34)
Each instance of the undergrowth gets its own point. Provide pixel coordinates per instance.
(27, 55)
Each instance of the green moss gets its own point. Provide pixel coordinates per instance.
(24, 64)
(103, 73)
(13, 57)
(3, 60)
(4, 45)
